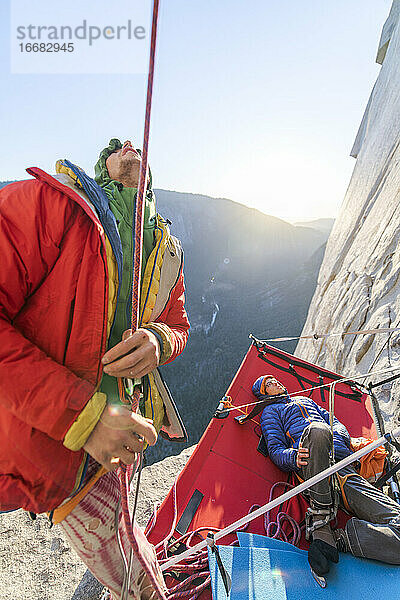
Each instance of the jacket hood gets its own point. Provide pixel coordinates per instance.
(102, 176)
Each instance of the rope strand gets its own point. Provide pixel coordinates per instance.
(318, 336)
(137, 234)
(317, 387)
(138, 231)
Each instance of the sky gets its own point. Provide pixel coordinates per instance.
(258, 101)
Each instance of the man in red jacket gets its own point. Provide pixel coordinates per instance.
(64, 291)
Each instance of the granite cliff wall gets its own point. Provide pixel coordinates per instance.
(359, 281)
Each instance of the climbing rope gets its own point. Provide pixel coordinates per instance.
(318, 336)
(378, 354)
(195, 568)
(135, 548)
(275, 528)
(317, 387)
(137, 234)
(332, 412)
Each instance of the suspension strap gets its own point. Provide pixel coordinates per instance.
(332, 415)
(224, 573)
(371, 386)
(263, 352)
(293, 371)
(392, 440)
(318, 336)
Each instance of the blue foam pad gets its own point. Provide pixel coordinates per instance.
(253, 540)
(271, 574)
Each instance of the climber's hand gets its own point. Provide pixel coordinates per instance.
(137, 355)
(118, 436)
(302, 455)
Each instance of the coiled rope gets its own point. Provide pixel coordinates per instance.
(195, 568)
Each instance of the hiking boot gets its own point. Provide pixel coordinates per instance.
(322, 550)
(321, 555)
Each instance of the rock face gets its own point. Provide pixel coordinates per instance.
(358, 285)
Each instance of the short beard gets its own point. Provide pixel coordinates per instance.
(128, 173)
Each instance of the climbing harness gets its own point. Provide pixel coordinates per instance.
(371, 386)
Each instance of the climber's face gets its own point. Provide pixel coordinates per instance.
(124, 165)
(273, 387)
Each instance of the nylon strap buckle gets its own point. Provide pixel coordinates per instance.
(316, 518)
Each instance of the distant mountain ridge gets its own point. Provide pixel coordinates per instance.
(325, 225)
(246, 272)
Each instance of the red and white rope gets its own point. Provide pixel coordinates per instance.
(195, 567)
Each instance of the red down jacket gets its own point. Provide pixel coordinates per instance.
(53, 319)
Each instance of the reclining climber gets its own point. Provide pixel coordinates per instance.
(65, 299)
(299, 439)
